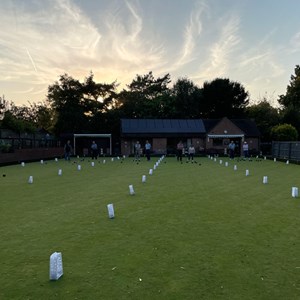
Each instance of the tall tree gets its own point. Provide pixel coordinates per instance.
(292, 96)
(43, 116)
(187, 99)
(78, 105)
(265, 116)
(4, 106)
(224, 98)
(290, 102)
(144, 96)
(65, 97)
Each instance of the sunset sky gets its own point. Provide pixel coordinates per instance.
(254, 42)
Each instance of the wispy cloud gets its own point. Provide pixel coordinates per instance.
(295, 43)
(41, 40)
(191, 36)
(225, 45)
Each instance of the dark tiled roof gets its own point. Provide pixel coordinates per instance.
(181, 126)
(165, 126)
(246, 125)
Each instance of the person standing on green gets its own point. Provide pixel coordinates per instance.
(231, 148)
(147, 149)
(67, 150)
(180, 148)
(137, 150)
(94, 148)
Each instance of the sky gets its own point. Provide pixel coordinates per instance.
(253, 42)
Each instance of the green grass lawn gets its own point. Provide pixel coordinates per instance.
(192, 231)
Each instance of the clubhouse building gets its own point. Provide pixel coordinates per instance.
(208, 136)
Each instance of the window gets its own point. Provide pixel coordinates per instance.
(217, 142)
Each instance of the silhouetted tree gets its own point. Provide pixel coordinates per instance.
(290, 102)
(145, 97)
(265, 117)
(187, 99)
(222, 97)
(78, 105)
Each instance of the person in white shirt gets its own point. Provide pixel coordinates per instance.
(191, 152)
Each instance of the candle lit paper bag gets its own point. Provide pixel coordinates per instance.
(111, 212)
(294, 192)
(30, 179)
(56, 266)
(131, 190)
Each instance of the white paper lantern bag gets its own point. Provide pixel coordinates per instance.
(150, 172)
(56, 266)
(144, 178)
(111, 212)
(131, 190)
(247, 172)
(104, 161)
(23, 164)
(265, 179)
(235, 167)
(30, 179)
(287, 162)
(226, 164)
(59, 172)
(42, 161)
(56, 159)
(274, 159)
(294, 192)
(79, 167)
(221, 161)
(92, 164)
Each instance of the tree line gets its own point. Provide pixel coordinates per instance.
(91, 107)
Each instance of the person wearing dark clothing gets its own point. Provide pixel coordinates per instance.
(67, 150)
(94, 148)
(180, 148)
(148, 149)
(231, 149)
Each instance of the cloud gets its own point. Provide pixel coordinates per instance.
(41, 40)
(191, 36)
(220, 51)
(295, 43)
